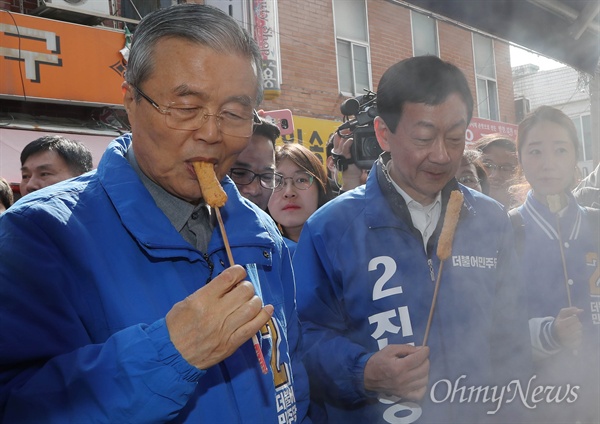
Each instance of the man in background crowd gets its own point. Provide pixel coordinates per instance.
(254, 170)
(51, 159)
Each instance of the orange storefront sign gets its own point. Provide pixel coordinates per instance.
(59, 61)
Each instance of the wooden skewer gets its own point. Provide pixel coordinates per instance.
(556, 202)
(433, 302)
(444, 249)
(564, 262)
(224, 234)
(219, 197)
(257, 349)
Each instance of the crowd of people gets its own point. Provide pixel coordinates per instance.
(445, 284)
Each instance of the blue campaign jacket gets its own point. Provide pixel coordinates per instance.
(365, 281)
(88, 270)
(539, 240)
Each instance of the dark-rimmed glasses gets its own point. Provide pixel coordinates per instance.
(268, 180)
(234, 122)
(506, 169)
(469, 180)
(302, 180)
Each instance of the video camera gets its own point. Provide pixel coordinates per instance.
(359, 114)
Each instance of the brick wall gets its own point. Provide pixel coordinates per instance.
(309, 67)
(505, 82)
(390, 36)
(307, 42)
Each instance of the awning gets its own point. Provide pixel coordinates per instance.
(12, 142)
(565, 30)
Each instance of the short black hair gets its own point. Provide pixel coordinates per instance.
(267, 129)
(77, 156)
(422, 79)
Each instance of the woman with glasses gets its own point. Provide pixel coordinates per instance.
(302, 190)
(499, 158)
(471, 173)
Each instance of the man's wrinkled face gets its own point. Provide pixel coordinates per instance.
(189, 75)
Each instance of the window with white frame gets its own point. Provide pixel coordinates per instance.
(424, 35)
(485, 72)
(583, 125)
(352, 41)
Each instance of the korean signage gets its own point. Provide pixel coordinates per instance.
(47, 59)
(313, 134)
(479, 127)
(266, 34)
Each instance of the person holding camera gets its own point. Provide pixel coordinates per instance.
(344, 174)
(366, 268)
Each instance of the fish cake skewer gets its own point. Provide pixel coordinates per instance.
(215, 197)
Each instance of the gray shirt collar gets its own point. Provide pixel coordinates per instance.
(177, 210)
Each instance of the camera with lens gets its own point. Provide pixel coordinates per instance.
(359, 114)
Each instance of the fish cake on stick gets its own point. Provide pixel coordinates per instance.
(444, 249)
(213, 193)
(215, 197)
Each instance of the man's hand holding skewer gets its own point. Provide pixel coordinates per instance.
(399, 370)
(213, 322)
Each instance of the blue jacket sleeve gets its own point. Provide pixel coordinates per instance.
(51, 370)
(334, 363)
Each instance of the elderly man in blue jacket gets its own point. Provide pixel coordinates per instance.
(367, 271)
(118, 303)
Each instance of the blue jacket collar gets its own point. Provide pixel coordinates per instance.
(149, 225)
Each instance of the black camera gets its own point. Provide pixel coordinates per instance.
(359, 114)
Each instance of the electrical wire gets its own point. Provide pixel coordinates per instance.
(20, 61)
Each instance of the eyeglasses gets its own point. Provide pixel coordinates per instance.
(234, 122)
(468, 180)
(507, 169)
(268, 180)
(301, 180)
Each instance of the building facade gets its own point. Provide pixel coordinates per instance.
(318, 53)
(565, 89)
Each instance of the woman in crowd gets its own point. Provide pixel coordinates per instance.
(471, 173)
(304, 189)
(557, 241)
(6, 195)
(498, 155)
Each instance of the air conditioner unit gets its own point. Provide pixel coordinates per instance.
(89, 12)
(522, 108)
